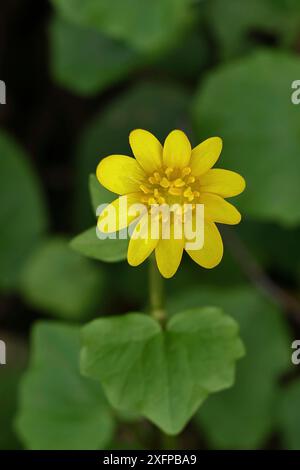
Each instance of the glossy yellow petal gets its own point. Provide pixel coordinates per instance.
(141, 244)
(168, 255)
(205, 155)
(177, 150)
(119, 214)
(219, 210)
(120, 174)
(211, 253)
(223, 182)
(147, 149)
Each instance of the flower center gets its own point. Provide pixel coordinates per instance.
(170, 186)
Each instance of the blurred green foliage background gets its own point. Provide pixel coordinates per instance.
(80, 75)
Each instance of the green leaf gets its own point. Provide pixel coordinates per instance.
(289, 415)
(244, 416)
(249, 105)
(61, 282)
(162, 374)
(60, 409)
(157, 107)
(142, 24)
(85, 61)
(88, 243)
(99, 194)
(22, 211)
(109, 249)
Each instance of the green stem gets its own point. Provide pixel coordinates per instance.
(156, 292)
(169, 442)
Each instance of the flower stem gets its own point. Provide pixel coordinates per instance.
(158, 311)
(156, 292)
(169, 442)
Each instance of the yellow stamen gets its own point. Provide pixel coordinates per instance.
(164, 182)
(169, 171)
(174, 183)
(145, 189)
(175, 191)
(185, 171)
(161, 200)
(191, 179)
(157, 176)
(151, 200)
(188, 193)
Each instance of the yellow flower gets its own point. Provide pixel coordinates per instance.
(172, 174)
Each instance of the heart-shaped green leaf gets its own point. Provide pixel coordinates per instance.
(222, 418)
(162, 374)
(60, 409)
